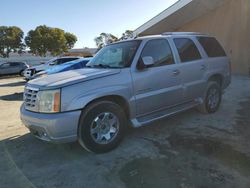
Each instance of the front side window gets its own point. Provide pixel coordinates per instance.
(118, 55)
(160, 51)
(187, 50)
(14, 64)
(212, 47)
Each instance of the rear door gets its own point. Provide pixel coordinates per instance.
(6, 68)
(16, 67)
(193, 67)
(159, 86)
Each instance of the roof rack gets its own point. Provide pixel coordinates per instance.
(181, 33)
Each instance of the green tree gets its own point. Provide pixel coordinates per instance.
(105, 39)
(11, 40)
(127, 35)
(70, 40)
(45, 39)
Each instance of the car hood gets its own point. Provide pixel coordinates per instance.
(63, 79)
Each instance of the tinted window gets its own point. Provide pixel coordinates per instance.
(5, 65)
(68, 59)
(160, 51)
(84, 63)
(14, 64)
(63, 60)
(212, 47)
(187, 49)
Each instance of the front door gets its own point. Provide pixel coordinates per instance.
(158, 86)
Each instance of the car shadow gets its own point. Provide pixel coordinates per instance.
(15, 84)
(13, 97)
(25, 156)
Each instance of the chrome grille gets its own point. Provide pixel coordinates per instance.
(30, 98)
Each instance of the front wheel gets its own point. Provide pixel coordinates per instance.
(212, 98)
(101, 127)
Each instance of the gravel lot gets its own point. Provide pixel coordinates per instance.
(187, 150)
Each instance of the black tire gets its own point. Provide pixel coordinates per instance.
(21, 72)
(88, 117)
(207, 107)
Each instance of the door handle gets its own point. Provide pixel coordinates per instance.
(203, 67)
(176, 72)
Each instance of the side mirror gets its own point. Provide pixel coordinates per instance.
(148, 61)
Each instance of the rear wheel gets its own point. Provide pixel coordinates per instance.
(101, 127)
(212, 98)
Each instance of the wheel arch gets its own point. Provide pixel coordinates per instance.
(219, 78)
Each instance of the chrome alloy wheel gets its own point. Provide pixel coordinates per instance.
(104, 128)
(213, 98)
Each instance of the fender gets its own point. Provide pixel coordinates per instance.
(80, 102)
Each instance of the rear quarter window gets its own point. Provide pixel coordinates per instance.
(211, 46)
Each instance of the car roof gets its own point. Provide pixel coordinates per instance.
(68, 57)
(175, 34)
(163, 35)
(15, 62)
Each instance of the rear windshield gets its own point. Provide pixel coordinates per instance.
(212, 47)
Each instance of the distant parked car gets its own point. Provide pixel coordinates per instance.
(13, 68)
(28, 73)
(72, 65)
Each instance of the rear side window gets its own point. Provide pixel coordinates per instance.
(64, 60)
(68, 59)
(212, 47)
(187, 50)
(5, 65)
(160, 51)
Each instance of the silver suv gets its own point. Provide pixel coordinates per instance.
(133, 82)
(13, 68)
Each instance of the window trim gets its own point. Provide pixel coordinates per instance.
(170, 47)
(178, 54)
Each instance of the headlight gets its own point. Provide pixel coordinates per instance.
(49, 101)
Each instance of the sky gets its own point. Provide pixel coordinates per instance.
(84, 18)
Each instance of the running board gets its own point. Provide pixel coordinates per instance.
(145, 120)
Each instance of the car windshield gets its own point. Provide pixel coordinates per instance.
(118, 55)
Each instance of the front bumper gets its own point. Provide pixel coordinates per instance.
(27, 74)
(56, 128)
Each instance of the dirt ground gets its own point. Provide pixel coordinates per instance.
(187, 150)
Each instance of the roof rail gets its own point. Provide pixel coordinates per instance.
(181, 33)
